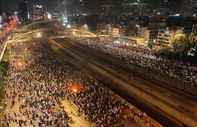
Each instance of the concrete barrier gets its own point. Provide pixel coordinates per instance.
(168, 81)
(2, 54)
(170, 109)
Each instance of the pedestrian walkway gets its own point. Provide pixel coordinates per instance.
(78, 119)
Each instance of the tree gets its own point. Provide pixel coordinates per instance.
(92, 22)
(182, 44)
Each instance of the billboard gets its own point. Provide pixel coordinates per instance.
(137, 4)
(65, 19)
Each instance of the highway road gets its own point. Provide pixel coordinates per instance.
(173, 96)
(186, 103)
(17, 54)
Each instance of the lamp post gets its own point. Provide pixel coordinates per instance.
(138, 26)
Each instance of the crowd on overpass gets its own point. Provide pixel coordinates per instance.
(142, 57)
(39, 84)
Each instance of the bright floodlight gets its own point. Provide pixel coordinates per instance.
(68, 26)
(19, 63)
(75, 90)
(49, 16)
(73, 32)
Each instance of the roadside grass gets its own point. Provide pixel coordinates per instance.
(3, 68)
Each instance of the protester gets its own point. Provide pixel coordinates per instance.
(142, 57)
(38, 82)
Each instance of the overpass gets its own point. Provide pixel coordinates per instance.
(49, 37)
(19, 31)
(52, 32)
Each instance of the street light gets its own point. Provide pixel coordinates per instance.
(85, 26)
(138, 26)
(68, 26)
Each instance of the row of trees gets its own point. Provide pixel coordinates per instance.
(3, 70)
(180, 47)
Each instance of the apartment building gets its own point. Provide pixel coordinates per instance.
(119, 32)
(150, 34)
(165, 36)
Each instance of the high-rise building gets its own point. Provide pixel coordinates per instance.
(0, 9)
(0, 15)
(134, 7)
(187, 8)
(23, 10)
(38, 9)
(81, 6)
(164, 8)
(107, 8)
(195, 9)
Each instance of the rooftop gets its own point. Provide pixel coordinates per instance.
(133, 37)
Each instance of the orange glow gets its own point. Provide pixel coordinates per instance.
(55, 24)
(34, 43)
(19, 63)
(75, 90)
(66, 33)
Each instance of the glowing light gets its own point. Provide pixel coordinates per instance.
(55, 24)
(49, 16)
(34, 43)
(19, 63)
(73, 32)
(75, 90)
(68, 26)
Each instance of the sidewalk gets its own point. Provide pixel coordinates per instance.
(78, 121)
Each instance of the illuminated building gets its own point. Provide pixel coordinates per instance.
(164, 8)
(165, 36)
(23, 10)
(135, 7)
(0, 9)
(38, 9)
(187, 8)
(81, 6)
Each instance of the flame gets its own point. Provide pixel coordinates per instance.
(19, 63)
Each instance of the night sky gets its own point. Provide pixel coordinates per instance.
(90, 5)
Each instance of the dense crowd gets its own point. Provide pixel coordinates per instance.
(41, 82)
(31, 84)
(142, 57)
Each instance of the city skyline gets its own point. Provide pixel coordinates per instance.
(90, 5)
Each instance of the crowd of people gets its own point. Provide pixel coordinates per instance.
(38, 82)
(31, 86)
(142, 57)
